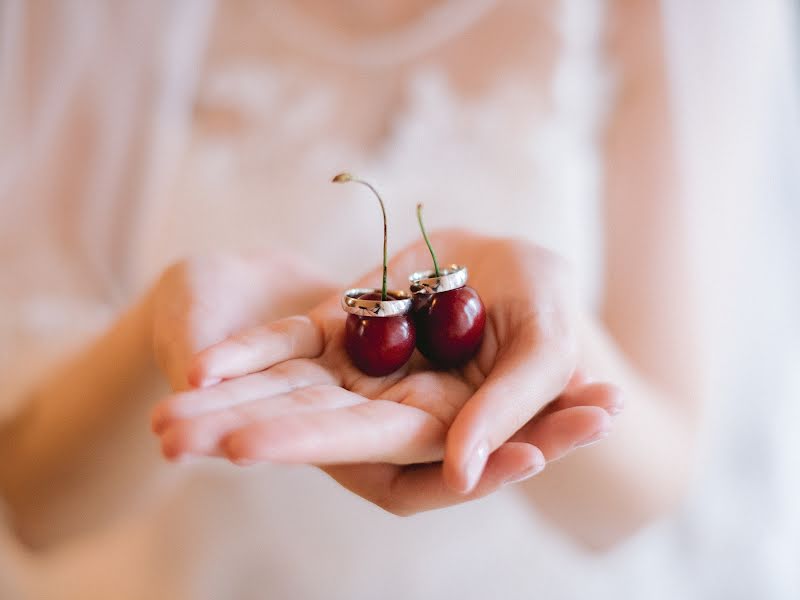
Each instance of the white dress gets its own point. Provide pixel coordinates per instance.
(219, 128)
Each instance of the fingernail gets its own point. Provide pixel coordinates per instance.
(593, 439)
(526, 473)
(475, 465)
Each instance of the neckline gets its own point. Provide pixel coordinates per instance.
(432, 29)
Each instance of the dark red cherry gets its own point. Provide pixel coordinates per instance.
(449, 315)
(379, 345)
(379, 331)
(449, 325)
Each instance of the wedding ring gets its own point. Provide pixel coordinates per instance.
(399, 305)
(426, 282)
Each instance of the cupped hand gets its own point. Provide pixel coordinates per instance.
(203, 300)
(290, 394)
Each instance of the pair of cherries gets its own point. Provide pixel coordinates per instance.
(442, 316)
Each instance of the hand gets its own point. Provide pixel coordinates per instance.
(203, 300)
(311, 405)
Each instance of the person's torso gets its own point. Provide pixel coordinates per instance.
(485, 111)
(488, 116)
(492, 126)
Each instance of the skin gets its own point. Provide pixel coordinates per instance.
(290, 394)
(649, 335)
(54, 473)
(88, 419)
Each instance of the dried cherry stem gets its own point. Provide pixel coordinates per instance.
(347, 177)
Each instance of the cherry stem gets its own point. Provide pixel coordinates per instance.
(427, 241)
(346, 177)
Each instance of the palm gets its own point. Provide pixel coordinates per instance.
(294, 396)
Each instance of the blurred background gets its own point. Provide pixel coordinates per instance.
(137, 133)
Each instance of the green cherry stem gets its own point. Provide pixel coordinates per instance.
(346, 177)
(427, 241)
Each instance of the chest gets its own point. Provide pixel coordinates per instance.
(474, 126)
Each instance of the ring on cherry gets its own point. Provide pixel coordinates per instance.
(443, 317)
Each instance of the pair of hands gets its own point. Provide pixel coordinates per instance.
(286, 392)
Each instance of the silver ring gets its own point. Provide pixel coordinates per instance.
(426, 282)
(354, 305)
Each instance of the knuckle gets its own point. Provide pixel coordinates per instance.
(249, 340)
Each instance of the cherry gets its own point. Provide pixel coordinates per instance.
(379, 332)
(449, 315)
(379, 345)
(449, 325)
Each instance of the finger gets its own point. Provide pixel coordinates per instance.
(603, 395)
(281, 379)
(191, 315)
(531, 370)
(417, 488)
(257, 349)
(559, 433)
(372, 431)
(201, 435)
